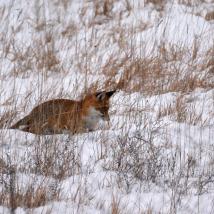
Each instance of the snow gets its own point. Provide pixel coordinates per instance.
(93, 182)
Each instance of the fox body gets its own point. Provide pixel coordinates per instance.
(61, 116)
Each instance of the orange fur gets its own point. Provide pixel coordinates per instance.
(62, 115)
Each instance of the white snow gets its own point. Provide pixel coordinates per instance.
(94, 181)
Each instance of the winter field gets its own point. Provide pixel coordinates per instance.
(156, 155)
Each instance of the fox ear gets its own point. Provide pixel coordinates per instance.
(110, 93)
(101, 95)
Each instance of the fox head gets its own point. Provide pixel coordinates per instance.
(96, 107)
(103, 103)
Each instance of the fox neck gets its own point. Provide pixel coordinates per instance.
(92, 118)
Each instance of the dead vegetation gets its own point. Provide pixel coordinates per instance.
(49, 163)
(54, 159)
(209, 16)
(191, 3)
(182, 112)
(13, 195)
(172, 69)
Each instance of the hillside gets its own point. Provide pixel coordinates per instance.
(156, 155)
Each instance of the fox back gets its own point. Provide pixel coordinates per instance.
(61, 116)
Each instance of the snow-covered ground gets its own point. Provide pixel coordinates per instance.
(156, 155)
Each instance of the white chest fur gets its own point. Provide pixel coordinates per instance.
(92, 118)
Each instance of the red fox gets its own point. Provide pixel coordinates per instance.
(61, 116)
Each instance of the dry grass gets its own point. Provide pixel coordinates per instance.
(159, 4)
(165, 73)
(209, 16)
(13, 195)
(183, 110)
(38, 58)
(6, 118)
(115, 206)
(191, 3)
(30, 199)
(134, 159)
(52, 158)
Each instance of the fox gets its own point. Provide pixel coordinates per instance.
(61, 116)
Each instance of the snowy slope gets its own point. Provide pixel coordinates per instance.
(157, 152)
